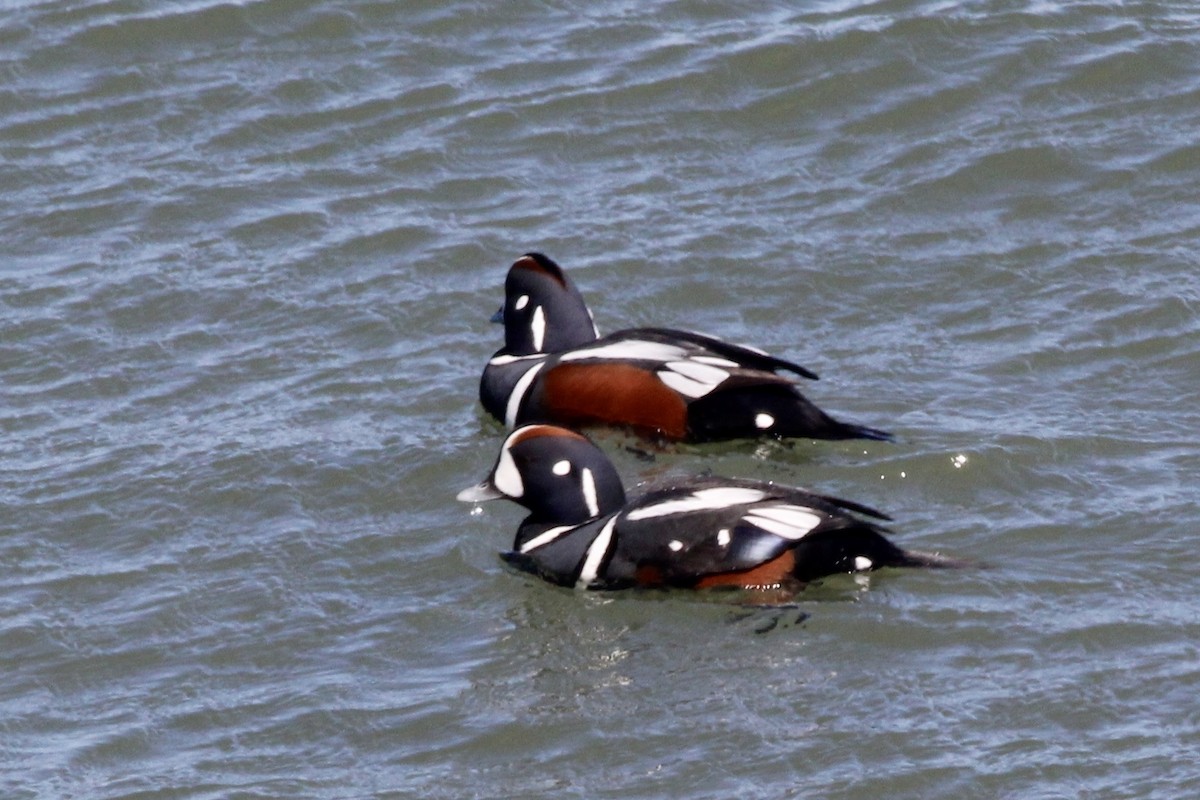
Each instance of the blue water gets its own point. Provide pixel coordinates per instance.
(251, 250)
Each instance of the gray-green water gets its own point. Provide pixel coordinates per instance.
(250, 250)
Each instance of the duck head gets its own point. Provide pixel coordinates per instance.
(559, 475)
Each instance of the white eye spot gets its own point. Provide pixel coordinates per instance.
(862, 563)
(522, 301)
(537, 327)
(562, 467)
(675, 545)
(763, 421)
(723, 537)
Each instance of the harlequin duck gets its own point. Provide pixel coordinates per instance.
(697, 533)
(678, 385)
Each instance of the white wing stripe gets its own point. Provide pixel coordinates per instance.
(790, 522)
(632, 349)
(705, 373)
(685, 386)
(703, 500)
(715, 361)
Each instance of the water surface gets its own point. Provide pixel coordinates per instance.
(251, 249)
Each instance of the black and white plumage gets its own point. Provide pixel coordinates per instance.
(680, 385)
(697, 533)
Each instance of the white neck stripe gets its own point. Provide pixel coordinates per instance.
(597, 550)
(518, 394)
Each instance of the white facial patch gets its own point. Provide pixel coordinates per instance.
(763, 421)
(588, 482)
(703, 500)
(790, 522)
(537, 326)
(522, 301)
(561, 467)
(862, 563)
(596, 552)
(518, 394)
(506, 477)
(632, 350)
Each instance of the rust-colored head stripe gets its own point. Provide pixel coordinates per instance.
(537, 431)
(536, 262)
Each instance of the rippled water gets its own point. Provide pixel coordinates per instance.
(250, 252)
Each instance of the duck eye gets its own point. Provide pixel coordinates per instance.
(562, 467)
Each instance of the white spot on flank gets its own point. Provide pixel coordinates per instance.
(719, 497)
(790, 522)
(862, 563)
(537, 326)
(675, 545)
(518, 394)
(723, 537)
(589, 492)
(522, 301)
(595, 554)
(763, 421)
(561, 467)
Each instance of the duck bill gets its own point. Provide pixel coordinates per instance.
(480, 493)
